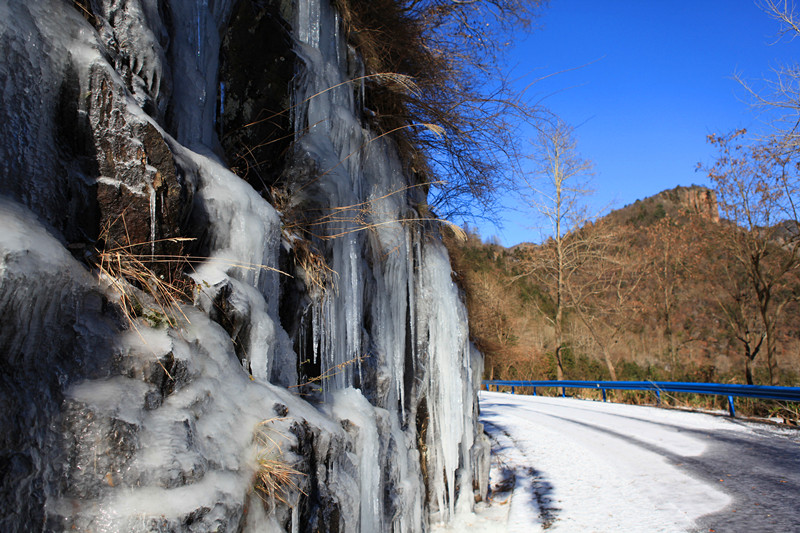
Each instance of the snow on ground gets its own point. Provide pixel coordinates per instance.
(582, 466)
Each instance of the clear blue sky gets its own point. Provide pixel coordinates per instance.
(659, 82)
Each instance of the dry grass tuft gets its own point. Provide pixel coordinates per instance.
(787, 412)
(275, 479)
(149, 285)
(130, 270)
(458, 232)
(319, 277)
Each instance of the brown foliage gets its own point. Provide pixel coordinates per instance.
(506, 330)
(757, 183)
(653, 301)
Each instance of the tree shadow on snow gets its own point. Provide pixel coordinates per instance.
(524, 477)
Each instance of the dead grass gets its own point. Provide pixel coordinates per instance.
(319, 277)
(85, 9)
(338, 221)
(130, 270)
(149, 285)
(330, 372)
(275, 479)
(305, 229)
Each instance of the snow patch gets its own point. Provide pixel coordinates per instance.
(582, 470)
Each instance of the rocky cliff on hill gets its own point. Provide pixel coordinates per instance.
(678, 202)
(695, 200)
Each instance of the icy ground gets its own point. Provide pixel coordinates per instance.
(569, 465)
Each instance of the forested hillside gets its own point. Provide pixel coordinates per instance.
(655, 292)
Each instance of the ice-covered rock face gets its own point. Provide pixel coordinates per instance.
(356, 371)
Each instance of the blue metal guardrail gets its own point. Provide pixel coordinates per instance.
(789, 394)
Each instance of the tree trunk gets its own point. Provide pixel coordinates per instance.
(559, 344)
(559, 368)
(748, 370)
(559, 365)
(673, 350)
(559, 341)
(611, 371)
(773, 376)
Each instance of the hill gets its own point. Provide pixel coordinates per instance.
(653, 307)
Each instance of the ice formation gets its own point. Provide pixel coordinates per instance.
(363, 381)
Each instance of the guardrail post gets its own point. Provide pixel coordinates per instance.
(658, 397)
(604, 395)
(513, 389)
(534, 391)
(731, 408)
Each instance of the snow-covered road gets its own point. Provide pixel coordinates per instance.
(581, 466)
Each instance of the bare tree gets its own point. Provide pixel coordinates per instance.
(779, 94)
(740, 312)
(604, 292)
(670, 252)
(757, 185)
(557, 191)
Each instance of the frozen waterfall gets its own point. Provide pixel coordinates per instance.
(357, 377)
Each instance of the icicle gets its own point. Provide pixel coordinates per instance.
(315, 336)
(350, 404)
(152, 220)
(337, 39)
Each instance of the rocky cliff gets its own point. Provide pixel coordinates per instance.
(694, 200)
(221, 309)
(677, 203)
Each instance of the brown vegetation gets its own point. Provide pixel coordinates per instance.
(758, 187)
(275, 479)
(650, 306)
(147, 285)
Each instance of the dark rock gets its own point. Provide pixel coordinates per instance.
(100, 449)
(140, 197)
(166, 373)
(153, 400)
(257, 65)
(319, 508)
(233, 320)
(52, 335)
(280, 409)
